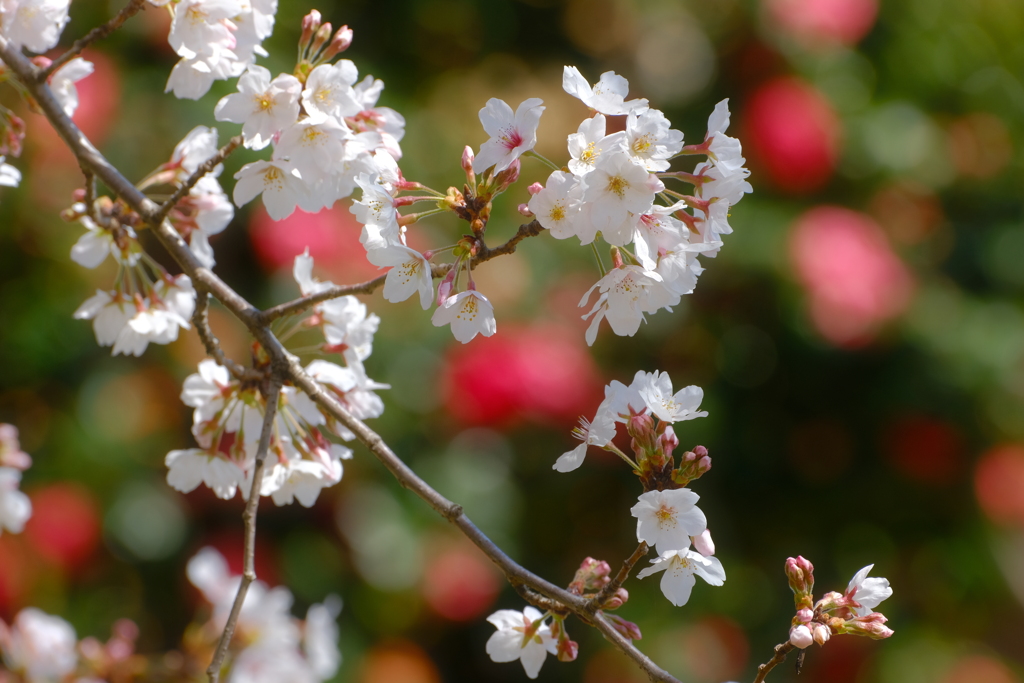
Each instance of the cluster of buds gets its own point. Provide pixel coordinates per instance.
(851, 612)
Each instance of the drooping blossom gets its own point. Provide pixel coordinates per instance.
(511, 134)
(523, 636)
(681, 567)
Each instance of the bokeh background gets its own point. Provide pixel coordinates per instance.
(860, 342)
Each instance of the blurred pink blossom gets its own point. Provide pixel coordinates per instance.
(854, 279)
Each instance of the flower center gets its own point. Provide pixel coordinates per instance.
(617, 185)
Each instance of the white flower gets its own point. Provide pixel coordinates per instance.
(657, 394)
(726, 152)
(201, 27)
(868, 591)
(187, 469)
(376, 211)
(278, 181)
(651, 141)
(597, 433)
(196, 147)
(346, 322)
(320, 638)
(93, 247)
(410, 272)
(9, 175)
(667, 519)
(607, 96)
(589, 142)
(39, 645)
(624, 299)
(329, 90)
(15, 506)
(192, 77)
(34, 24)
(313, 146)
(469, 313)
(263, 106)
(511, 134)
(518, 638)
(109, 316)
(62, 83)
(679, 567)
(617, 191)
(557, 206)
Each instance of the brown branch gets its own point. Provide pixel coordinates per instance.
(98, 33)
(301, 304)
(602, 597)
(249, 516)
(201, 319)
(781, 651)
(284, 363)
(204, 168)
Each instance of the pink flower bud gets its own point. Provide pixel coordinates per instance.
(801, 636)
(508, 177)
(618, 599)
(524, 209)
(804, 615)
(567, 650)
(467, 159)
(703, 543)
(821, 633)
(310, 24)
(534, 188)
(700, 451)
(616, 258)
(871, 625)
(342, 38)
(703, 465)
(669, 440)
(626, 628)
(444, 289)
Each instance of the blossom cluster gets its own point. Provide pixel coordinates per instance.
(15, 506)
(147, 304)
(269, 644)
(851, 612)
(229, 412)
(610, 186)
(326, 129)
(216, 39)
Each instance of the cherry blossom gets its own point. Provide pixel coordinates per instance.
(557, 205)
(9, 175)
(39, 646)
(651, 141)
(329, 91)
(598, 432)
(410, 273)
(511, 134)
(669, 407)
(262, 105)
(667, 519)
(469, 313)
(726, 152)
(15, 506)
(33, 24)
(62, 83)
(624, 298)
(680, 566)
(522, 636)
(617, 191)
(607, 96)
(279, 183)
(867, 591)
(589, 143)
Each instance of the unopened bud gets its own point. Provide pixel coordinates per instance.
(804, 615)
(831, 601)
(619, 598)
(801, 636)
(704, 465)
(821, 633)
(591, 576)
(444, 289)
(322, 35)
(626, 628)
(534, 188)
(616, 257)
(310, 24)
(567, 650)
(800, 573)
(668, 440)
(508, 177)
(871, 625)
(343, 38)
(524, 209)
(703, 543)
(700, 451)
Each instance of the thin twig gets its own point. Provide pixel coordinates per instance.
(251, 506)
(781, 650)
(98, 33)
(605, 593)
(201, 319)
(90, 158)
(304, 303)
(204, 168)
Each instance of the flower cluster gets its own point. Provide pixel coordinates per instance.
(229, 412)
(216, 39)
(269, 644)
(35, 25)
(852, 612)
(15, 506)
(610, 187)
(326, 129)
(148, 304)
